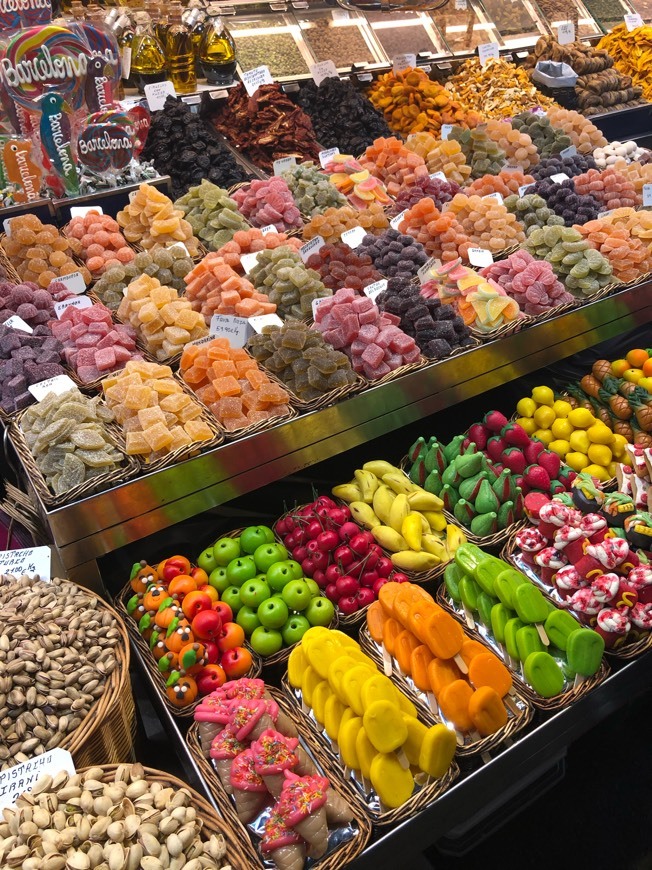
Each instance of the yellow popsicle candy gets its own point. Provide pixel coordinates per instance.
(416, 731)
(347, 742)
(437, 750)
(333, 712)
(366, 753)
(311, 679)
(385, 726)
(351, 685)
(336, 671)
(378, 688)
(392, 784)
(322, 651)
(342, 638)
(406, 706)
(310, 636)
(297, 664)
(320, 695)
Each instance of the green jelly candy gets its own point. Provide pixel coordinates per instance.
(469, 590)
(500, 616)
(528, 641)
(544, 674)
(584, 651)
(452, 576)
(485, 605)
(559, 626)
(511, 628)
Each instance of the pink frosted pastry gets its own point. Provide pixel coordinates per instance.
(641, 579)
(273, 754)
(249, 789)
(224, 748)
(549, 561)
(585, 605)
(530, 541)
(567, 581)
(245, 687)
(641, 616)
(594, 527)
(613, 625)
(553, 516)
(302, 806)
(605, 587)
(285, 847)
(569, 540)
(248, 718)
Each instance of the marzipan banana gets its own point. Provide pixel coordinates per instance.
(389, 538)
(363, 514)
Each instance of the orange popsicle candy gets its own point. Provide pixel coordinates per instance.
(406, 643)
(488, 670)
(487, 711)
(419, 616)
(454, 704)
(441, 673)
(421, 659)
(391, 631)
(386, 596)
(471, 649)
(408, 596)
(444, 635)
(376, 621)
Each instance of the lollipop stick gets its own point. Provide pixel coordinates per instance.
(579, 679)
(470, 621)
(461, 664)
(387, 662)
(542, 634)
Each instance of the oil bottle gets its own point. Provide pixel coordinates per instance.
(217, 52)
(147, 55)
(179, 53)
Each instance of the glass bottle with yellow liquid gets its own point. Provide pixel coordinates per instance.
(217, 52)
(148, 62)
(179, 53)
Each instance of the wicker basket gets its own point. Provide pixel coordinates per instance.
(323, 401)
(557, 702)
(109, 479)
(5, 262)
(503, 331)
(633, 645)
(237, 847)
(519, 711)
(421, 363)
(145, 654)
(108, 730)
(341, 853)
(366, 799)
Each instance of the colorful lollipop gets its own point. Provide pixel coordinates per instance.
(55, 129)
(98, 90)
(21, 169)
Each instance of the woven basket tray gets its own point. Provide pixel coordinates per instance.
(148, 660)
(237, 847)
(323, 401)
(633, 645)
(364, 795)
(519, 710)
(340, 851)
(5, 262)
(503, 331)
(421, 363)
(103, 481)
(570, 694)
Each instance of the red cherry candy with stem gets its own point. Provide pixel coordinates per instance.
(348, 530)
(348, 604)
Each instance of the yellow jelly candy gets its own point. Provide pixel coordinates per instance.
(392, 784)
(366, 753)
(416, 731)
(320, 695)
(437, 750)
(349, 731)
(297, 664)
(333, 712)
(385, 726)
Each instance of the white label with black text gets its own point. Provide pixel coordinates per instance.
(445, 130)
(375, 289)
(325, 156)
(559, 177)
(258, 322)
(317, 302)
(283, 164)
(33, 561)
(255, 78)
(566, 33)
(398, 220)
(17, 322)
(354, 236)
(270, 228)
(487, 51)
(78, 302)
(633, 21)
(439, 175)
(424, 272)
(157, 93)
(523, 189)
(497, 196)
(311, 248)
(480, 257)
(248, 261)
(403, 61)
(57, 385)
(325, 69)
(647, 195)
(23, 777)
(236, 329)
(571, 151)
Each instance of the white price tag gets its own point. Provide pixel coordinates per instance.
(354, 236)
(571, 151)
(77, 302)
(310, 248)
(633, 21)
(23, 777)
(82, 211)
(206, 340)
(403, 61)
(510, 167)
(497, 196)
(157, 93)
(74, 282)
(424, 272)
(261, 320)
(236, 329)
(270, 228)
(132, 195)
(283, 163)
(7, 225)
(57, 385)
(523, 189)
(602, 214)
(398, 220)
(248, 261)
(325, 69)
(317, 302)
(375, 289)
(439, 175)
(566, 33)
(445, 130)
(487, 51)
(325, 156)
(460, 5)
(647, 195)
(32, 561)
(17, 322)
(126, 61)
(255, 78)
(480, 257)
(559, 177)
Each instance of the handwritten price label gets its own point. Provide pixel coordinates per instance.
(488, 51)
(33, 561)
(566, 33)
(23, 777)
(78, 302)
(311, 248)
(57, 385)
(283, 164)
(256, 78)
(157, 93)
(325, 69)
(480, 257)
(236, 329)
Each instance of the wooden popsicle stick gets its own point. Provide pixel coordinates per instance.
(387, 662)
(511, 704)
(461, 664)
(347, 772)
(403, 759)
(366, 785)
(460, 739)
(542, 634)
(470, 621)
(304, 707)
(486, 757)
(475, 735)
(432, 703)
(579, 679)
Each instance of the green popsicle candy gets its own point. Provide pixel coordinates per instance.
(487, 571)
(485, 604)
(452, 576)
(500, 616)
(469, 590)
(511, 630)
(584, 651)
(559, 626)
(544, 674)
(506, 584)
(468, 557)
(529, 603)
(528, 641)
